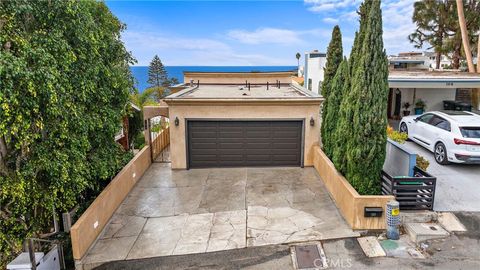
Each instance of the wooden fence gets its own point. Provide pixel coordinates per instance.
(160, 142)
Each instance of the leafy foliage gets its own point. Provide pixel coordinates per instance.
(334, 58)
(64, 88)
(437, 27)
(396, 136)
(369, 93)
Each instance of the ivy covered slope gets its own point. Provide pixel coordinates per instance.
(369, 86)
(64, 86)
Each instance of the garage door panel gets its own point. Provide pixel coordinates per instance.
(244, 143)
(281, 146)
(203, 134)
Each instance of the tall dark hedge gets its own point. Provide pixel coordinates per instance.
(64, 87)
(366, 144)
(339, 113)
(334, 58)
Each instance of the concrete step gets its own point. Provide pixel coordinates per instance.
(421, 232)
(450, 222)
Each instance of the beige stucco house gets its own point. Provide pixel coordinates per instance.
(236, 125)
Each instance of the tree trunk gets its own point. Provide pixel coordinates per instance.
(468, 52)
(437, 60)
(465, 39)
(478, 54)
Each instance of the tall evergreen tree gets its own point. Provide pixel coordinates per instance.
(363, 12)
(157, 75)
(334, 58)
(366, 146)
(338, 113)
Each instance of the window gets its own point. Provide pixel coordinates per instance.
(310, 84)
(425, 118)
(470, 132)
(439, 122)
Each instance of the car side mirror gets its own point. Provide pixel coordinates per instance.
(416, 119)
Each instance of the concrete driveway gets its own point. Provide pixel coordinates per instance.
(204, 210)
(458, 185)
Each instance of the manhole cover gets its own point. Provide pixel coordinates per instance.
(309, 257)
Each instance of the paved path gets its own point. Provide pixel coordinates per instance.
(174, 212)
(459, 251)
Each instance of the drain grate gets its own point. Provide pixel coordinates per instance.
(309, 257)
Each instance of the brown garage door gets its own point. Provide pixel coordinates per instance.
(244, 143)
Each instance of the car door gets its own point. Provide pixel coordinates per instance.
(422, 129)
(437, 129)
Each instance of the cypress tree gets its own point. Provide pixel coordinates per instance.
(359, 35)
(157, 75)
(340, 116)
(344, 129)
(366, 145)
(334, 58)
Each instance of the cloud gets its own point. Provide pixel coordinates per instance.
(330, 20)
(319, 6)
(187, 51)
(266, 36)
(397, 19)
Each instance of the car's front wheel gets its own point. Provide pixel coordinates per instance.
(404, 128)
(441, 154)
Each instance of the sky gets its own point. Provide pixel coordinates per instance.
(248, 33)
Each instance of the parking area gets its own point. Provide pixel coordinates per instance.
(175, 212)
(458, 185)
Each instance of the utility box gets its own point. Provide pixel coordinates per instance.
(50, 261)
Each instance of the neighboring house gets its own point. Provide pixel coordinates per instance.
(228, 125)
(433, 87)
(416, 60)
(313, 72)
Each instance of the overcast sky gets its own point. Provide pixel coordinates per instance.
(241, 33)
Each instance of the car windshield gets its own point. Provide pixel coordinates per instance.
(470, 132)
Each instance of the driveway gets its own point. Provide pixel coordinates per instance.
(458, 185)
(173, 212)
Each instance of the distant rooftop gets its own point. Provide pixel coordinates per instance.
(435, 75)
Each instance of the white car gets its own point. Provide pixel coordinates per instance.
(452, 136)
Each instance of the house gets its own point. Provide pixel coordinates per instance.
(416, 60)
(313, 71)
(217, 124)
(433, 87)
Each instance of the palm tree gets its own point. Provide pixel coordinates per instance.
(143, 99)
(465, 39)
(298, 55)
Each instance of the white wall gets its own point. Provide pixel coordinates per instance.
(314, 72)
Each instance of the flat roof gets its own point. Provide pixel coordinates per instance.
(432, 75)
(235, 92)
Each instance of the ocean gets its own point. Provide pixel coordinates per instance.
(141, 72)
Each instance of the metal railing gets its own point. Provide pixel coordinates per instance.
(413, 193)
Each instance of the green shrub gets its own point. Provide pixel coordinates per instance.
(65, 83)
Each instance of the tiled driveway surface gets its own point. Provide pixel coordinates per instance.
(202, 210)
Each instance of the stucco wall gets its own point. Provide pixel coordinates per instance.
(232, 112)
